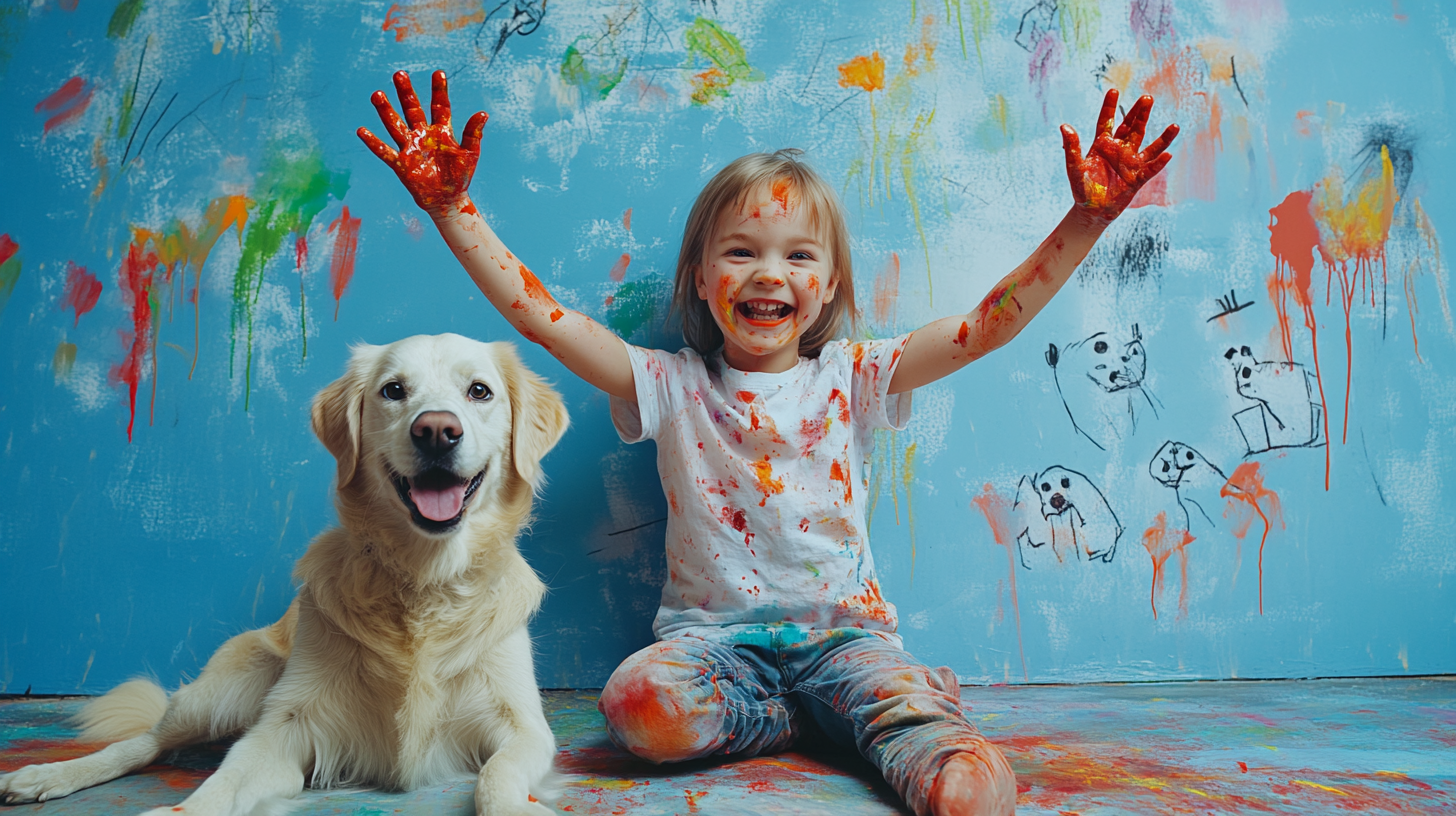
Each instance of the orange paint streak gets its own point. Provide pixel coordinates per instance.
(627, 220)
(1207, 143)
(619, 269)
(887, 290)
(1246, 486)
(997, 511)
(840, 473)
(870, 603)
(767, 484)
(346, 246)
(556, 315)
(962, 336)
(865, 73)
(780, 193)
(1293, 236)
(1161, 543)
(534, 290)
(837, 397)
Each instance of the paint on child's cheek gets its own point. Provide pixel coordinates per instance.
(726, 296)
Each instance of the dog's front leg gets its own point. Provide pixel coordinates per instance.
(505, 782)
(516, 735)
(266, 764)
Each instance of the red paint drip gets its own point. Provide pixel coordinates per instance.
(83, 290)
(346, 247)
(71, 100)
(8, 248)
(1247, 486)
(997, 511)
(619, 269)
(1161, 543)
(135, 277)
(1293, 236)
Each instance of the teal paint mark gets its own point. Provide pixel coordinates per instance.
(124, 17)
(577, 71)
(636, 303)
(292, 191)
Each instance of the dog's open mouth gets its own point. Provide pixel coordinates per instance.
(436, 497)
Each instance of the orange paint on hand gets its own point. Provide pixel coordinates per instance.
(865, 73)
(1246, 486)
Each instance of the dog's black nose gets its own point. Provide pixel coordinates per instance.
(1057, 502)
(436, 433)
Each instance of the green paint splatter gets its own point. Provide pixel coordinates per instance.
(577, 70)
(636, 303)
(13, 18)
(812, 568)
(293, 189)
(727, 61)
(1080, 21)
(64, 359)
(124, 18)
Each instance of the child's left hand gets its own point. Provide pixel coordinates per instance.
(1105, 181)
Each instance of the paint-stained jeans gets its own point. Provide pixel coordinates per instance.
(748, 693)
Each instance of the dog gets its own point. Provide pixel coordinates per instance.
(1064, 509)
(404, 660)
(1187, 473)
(1100, 380)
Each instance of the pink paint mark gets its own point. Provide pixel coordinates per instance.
(627, 220)
(1046, 63)
(69, 101)
(1152, 22)
(135, 277)
(346, 247)
(997, 511)
(83, 290)
(1293, 237)
(619, 269)
(1246, 486)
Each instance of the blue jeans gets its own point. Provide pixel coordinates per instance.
(748, 693)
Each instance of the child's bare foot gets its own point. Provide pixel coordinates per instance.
(979, 784)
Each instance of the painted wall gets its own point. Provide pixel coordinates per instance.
(192, 237)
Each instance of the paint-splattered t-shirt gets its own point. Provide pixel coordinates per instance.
(766, 478)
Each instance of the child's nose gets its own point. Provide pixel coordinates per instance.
(769, 274)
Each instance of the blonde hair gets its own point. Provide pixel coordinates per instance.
(731, 187)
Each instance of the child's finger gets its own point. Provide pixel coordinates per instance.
(1158, 145)
(392, 123)
(382, 150)
(409, 104)
(1156, 166)
(1072, 147)
(439, 101)
(474, 128)
(1135, 124)
(1108, 112)
(1117, 159)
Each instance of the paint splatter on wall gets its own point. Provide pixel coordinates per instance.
(192, 206)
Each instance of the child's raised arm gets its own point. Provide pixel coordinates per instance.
(437, 170)
(1103, 184)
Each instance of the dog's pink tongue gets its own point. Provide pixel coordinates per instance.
(438, 505)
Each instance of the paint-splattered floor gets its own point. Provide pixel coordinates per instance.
(1289, 747)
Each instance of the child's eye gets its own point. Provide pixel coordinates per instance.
(740, 253)
(801, 256)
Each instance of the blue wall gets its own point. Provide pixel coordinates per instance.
(123, 124)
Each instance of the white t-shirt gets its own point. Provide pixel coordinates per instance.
(766, 477)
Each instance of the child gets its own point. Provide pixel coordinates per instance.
(772, 617)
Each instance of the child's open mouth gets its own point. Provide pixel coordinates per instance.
(764, 312)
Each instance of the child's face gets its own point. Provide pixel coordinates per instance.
(766, 276)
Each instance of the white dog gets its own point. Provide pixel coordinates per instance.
(405, 658)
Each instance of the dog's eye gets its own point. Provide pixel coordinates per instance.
(392, 391)
(1066, 482)
(480, 392)
(1045, 487)
(1100, 347)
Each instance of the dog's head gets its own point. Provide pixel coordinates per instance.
(1057, 488)
(428, 420)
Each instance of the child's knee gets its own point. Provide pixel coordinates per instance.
(976, 781)
(660, 716)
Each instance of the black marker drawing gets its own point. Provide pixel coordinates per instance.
(1229, 305)
(1036, 23)
(1100, 381)
(1285, 414)
(1185, 471)
(523, 19)
(1063, 517)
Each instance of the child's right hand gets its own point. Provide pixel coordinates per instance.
(433, 166)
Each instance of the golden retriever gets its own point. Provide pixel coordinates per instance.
(404, 660)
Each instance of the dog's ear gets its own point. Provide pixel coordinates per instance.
(538, 416)
(338, 412)
(1051, 355)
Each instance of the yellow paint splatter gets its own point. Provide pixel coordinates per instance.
(1321, 787)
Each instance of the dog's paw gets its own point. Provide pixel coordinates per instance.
(523, 809)
(37, 783)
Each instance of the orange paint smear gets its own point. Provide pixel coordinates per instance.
(619, 269)
(434, 17)
(839, 398)
(767, 484)
(869, 604)
(346, 247)
(1293, 236)
(652, 716)
(1203, 162)
(997, 511)
(840, 473)
(865, 73)
(887, 290)
(534, 290)
(627, 220)
(1246, 487)
(556, 315)
(780, 193)
(1161, 543)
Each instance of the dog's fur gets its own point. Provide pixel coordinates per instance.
(405, 659)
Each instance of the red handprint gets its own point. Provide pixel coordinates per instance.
(433, 166)
(1106, 180)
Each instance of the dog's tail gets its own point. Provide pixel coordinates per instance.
(129, 710)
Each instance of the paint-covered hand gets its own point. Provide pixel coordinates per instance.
(1105, 181)
(433, 166)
